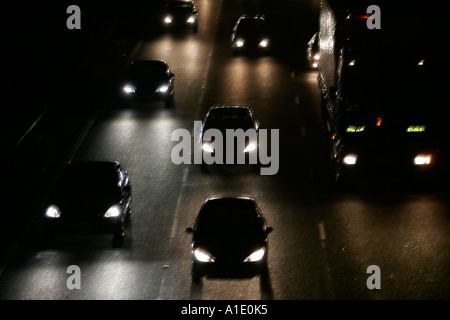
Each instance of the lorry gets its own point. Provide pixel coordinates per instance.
(383, 76)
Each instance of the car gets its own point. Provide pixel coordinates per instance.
(230, 118)
(313, 52)
(396, 135)
(229, 238)
(90, 197)
(251, 34)
(149, 80)
(182, 14)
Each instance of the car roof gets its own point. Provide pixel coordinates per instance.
(221, 204)
(180, 3)
(92, 166)
(217, 206)
(149, 63)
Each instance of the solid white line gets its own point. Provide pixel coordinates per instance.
(173, 230)
(303, 131)
(322, 234)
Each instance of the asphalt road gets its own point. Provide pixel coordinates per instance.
(324, 240)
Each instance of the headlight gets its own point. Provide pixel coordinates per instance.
(239, 43)
(168, 19)
(256, 256)
(416, 129)
(422, 159)
(263, 43)
(203, 256)
(129, 89)
(316, 57)
(355, 129)
(114, 211)
(207, 147)
(163, 88)
(350, 159)
(53, 212)
(250, 147)
(191, 19)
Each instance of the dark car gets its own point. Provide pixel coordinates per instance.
(226, 119)
(149, 80)
(90, 197)
(229, 239)
(385, 128)
(181, 14)
(251, 34)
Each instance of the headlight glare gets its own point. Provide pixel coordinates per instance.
(168, 19)
(251, 146)
(239, 43)
(191, 19)
(163, 88)
(256, 256)
(350, 159)
(129, 89)
(207, 147)
(203, 256)
(113, 212)
(263, 43)
(422, 159)
(53, 212)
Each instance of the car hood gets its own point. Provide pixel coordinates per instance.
(149, 83)
(84, 205)
(180, 13)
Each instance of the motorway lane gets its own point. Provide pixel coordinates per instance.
(322, 241)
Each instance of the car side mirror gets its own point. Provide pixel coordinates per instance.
(189, 230)
(171, 74)
(268, 230)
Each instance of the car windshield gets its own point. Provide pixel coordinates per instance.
(251, 26)
(229, 118)
(180, 5)
(96, 181)
(141, 69)
(221, 217)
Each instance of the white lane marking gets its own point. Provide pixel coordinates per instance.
(173, 230)
(322, 234)
(303, 131)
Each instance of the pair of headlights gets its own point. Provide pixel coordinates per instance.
(204, 256)
(419, 160)
(264, 43)
(129, 89)
(210, 147)
(169, 19)
(316, 59)
(54, 212)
